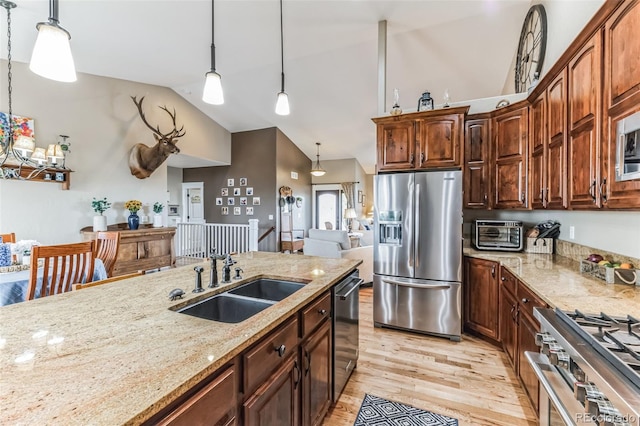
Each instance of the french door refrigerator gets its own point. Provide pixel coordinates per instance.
(418, 252)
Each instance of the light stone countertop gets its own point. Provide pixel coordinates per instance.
(117, 354)
(558, 281)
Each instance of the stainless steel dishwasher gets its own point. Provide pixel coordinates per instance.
(346, 313)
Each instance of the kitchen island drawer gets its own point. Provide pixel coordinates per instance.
(508, 280)
(269, 354)
(315, 313)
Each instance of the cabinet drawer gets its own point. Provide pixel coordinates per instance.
(315, 313)
(214, 404)
(508, 280)
(528, 300)
(264, 358)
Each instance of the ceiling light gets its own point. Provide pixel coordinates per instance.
(51, 57)
(317, 169)
(212, 93)
(282, 103)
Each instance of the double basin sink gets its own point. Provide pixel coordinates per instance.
(242, 302)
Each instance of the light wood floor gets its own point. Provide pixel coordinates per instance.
(470, 380)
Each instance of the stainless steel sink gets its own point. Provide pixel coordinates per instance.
(226, 308)
(267, 289)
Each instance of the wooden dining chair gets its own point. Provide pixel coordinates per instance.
(81, 286)
(63, 266)
(107, 246)
(8, 238)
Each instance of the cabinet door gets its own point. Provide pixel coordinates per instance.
(477, 138)
(538, 148)
(481, 294)
(396, 145)
(556, 187)
(439, 142)
(510, 173)
(622, 98)
(277, 401)
(527, 329)
(316, 384)
(508, 325)
(584, 75)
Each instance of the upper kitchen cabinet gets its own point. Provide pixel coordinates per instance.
(621, 99)
(510, 128)
(584, 74)
(421, 140)
(477, 140)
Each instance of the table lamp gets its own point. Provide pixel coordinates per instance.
(350, 214)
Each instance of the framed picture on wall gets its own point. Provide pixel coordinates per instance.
(256, 201)
(243, 201)
(360, 197)
(224, 211)
(224, 192)
(231, 201)
(231, 182)
(237, 211)
(237, 192)
(249, 190)
(243, 181)
(249, 211)
(218, 201)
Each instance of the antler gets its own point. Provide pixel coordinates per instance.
(175, 133)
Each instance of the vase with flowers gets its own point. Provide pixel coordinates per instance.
(157, 214)
(100, 221)
(133, 220)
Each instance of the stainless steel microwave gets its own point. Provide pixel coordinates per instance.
(503, 235)
(628, 148)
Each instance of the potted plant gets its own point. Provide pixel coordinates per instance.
(100, 221)
(157, 216)
(133, 220)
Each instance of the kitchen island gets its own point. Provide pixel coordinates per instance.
(119, 354)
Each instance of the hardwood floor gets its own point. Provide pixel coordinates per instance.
(470, 380)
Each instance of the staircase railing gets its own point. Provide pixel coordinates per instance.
(198, 239)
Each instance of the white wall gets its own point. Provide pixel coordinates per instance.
(103, 125)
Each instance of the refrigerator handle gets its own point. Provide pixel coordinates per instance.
(423, 286)
(416, 225)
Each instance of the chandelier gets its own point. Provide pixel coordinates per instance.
(19, 157)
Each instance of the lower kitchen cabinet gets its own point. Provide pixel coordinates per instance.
(316, 381)
(527, 329)
(508, 324)
(276, 402)
(481, 297)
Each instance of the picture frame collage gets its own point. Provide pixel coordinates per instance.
(233, 200)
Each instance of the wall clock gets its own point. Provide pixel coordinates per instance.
(531, 48)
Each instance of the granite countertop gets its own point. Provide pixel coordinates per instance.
(557, 280)
(117, 354)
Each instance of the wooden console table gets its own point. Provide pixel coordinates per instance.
(140, 250)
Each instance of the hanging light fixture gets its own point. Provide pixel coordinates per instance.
(212, 93)
(282, 102)
(317, 169)
(17, 146)
(51, 57)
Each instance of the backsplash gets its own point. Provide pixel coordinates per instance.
(578, 252)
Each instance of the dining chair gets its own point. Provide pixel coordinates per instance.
(81, 286)
(63, 266)
(8, 238)
(107, 246)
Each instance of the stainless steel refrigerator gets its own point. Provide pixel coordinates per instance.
(418, 252)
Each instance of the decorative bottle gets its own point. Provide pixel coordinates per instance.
(395, 109)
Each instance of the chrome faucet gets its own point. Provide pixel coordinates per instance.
(226, 270)
(213, 274)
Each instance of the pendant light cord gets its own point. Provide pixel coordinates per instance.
(9, 140)
(53, 12)
(281, 47)
(213, 44)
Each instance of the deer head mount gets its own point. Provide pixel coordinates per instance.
(144, 160)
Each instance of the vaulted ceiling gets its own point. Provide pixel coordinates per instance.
(330, 56)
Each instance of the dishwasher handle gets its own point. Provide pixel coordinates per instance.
(352, 288)
(424, 286)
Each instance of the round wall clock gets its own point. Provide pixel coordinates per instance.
(531, 48)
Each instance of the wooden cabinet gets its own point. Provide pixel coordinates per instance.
(142, 249)
(518, 329)
(477, 141)
(316, 379)
(621, 99)
(584, 84)
(481, 297)
(510, 132)
(539, 152)
(214, 404)
(420, 140)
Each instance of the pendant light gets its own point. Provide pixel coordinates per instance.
(51, 57)
(317, 169)
(212, 93)
(282, 102)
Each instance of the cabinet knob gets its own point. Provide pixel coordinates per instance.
(525, 300)
(493, 271)
(503, 278)
(322, 311)
(281, 350)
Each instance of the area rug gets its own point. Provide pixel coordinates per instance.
(376, 411)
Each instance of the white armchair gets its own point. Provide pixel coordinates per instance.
(336, 244)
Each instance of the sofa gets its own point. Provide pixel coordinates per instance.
(336, 244)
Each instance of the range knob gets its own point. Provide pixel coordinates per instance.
(559, 358)
(541, 338)
(576, 371)
(581, 389)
